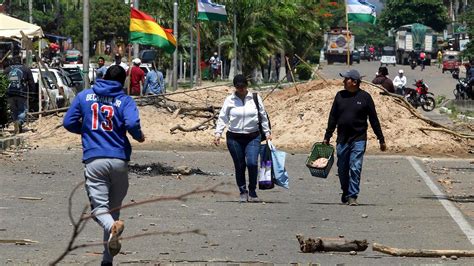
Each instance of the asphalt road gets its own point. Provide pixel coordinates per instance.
(401, 206)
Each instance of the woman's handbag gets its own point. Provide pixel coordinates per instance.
(260, 129)
(280, 175)
(265, 173)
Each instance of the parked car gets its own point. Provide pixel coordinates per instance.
(356, 56)
(55, 87)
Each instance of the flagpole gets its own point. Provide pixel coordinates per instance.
(347, 36)
(198, 50)
(191, 33)
(175, 55)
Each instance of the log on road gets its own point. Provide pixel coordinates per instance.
(311, 245)
(402, 252)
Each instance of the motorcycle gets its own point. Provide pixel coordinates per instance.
(463, 90)
(420, 96)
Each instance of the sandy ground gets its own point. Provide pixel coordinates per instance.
(298, 116)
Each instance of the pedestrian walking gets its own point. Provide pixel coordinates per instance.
(239, 113)
(350, 109)
(137, 77)
(20, 85)
(102, 115)
(154, 81)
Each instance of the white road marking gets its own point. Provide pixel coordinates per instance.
(457, 216)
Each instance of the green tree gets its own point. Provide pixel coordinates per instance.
(468, 17)
(431, 13)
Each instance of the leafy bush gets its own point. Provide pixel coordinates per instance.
(304, 72)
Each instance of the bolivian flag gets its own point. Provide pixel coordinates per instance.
(145, 30)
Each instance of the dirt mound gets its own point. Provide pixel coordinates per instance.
(298, 115)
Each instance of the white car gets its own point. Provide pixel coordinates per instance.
(71, 68)
(60, 89)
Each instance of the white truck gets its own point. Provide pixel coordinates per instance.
(411, 39)
(337, 44)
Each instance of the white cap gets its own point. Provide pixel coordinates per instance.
(137, 61)
(400, 71)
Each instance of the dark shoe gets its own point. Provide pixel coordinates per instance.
(352, 202)
(106, 263)
(114, 244)
(344, 198)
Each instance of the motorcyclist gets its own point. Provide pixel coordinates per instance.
(399, 82)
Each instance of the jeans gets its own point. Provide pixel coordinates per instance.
(244, 152)
(349, 166)
(18, 108)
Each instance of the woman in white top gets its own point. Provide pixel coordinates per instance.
(240, 114)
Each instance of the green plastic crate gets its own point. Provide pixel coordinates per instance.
(321, 150)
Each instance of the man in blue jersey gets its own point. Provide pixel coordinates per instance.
(102, 115)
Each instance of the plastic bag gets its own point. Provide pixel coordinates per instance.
(280, 175)
(265, 173)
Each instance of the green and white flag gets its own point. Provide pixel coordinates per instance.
(210, 11)
(360, 11)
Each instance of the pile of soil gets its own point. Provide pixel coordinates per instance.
(298, 116)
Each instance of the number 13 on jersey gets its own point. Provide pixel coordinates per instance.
(108, 110)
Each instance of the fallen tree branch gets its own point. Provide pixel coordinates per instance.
(196, 127)
(311, 245)
(401, 252)
(52, 111)
(460, 135)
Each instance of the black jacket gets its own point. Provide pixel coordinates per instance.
(349, 113)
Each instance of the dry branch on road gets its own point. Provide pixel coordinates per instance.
(311, 245)
(402, 252)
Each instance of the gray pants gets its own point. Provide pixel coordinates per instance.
(106, 186)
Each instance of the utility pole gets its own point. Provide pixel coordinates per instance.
(136, 47)
(235, 43)
(191, 34)
(175, 55)
(30, 10)
(85, 44)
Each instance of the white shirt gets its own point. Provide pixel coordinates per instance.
(241, 117)
(400, 82)
(122, 64)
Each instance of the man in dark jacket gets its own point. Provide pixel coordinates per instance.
(350, 110)
(382, 79)
(20, 85)
(102, 115)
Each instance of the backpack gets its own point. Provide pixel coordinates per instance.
(17, 81)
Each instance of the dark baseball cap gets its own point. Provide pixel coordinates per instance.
(352, 74)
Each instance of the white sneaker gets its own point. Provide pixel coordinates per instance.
(244, 197)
